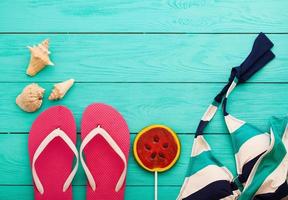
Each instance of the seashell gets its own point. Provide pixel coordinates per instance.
(30, 98)
(39, 58)
(60, 89)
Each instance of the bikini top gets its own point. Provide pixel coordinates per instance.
(261, 157)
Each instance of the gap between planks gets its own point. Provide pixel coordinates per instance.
(139, 33)
(153, 82)
(78, 133)
(84, 185)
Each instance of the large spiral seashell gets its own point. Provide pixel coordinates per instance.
(30, 98)
(60, 89)
(39, 58)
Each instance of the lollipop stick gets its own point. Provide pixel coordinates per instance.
(156, 185)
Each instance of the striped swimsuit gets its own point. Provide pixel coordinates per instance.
(261, 157)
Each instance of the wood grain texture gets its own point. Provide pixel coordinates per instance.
(155, 61)
(177, 105)
(79, 192)
(15, 168)
(144, 16)
(140, 58)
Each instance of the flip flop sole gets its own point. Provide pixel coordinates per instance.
(56, 161)
(103, 163)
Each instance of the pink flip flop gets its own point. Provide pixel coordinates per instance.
(51, 145)
(105, 145)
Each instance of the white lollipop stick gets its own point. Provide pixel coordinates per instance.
(156, 185)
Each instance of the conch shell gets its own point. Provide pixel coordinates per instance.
(60, 89)
(30, 98)
(39, 58)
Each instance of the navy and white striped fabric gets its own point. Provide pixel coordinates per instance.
(260, 156)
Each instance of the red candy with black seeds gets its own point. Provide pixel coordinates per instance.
(157, 148)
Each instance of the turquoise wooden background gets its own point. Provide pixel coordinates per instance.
(157, 61)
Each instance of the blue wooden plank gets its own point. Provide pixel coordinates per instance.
(15, 168)
(177, 105)
(139, 58)
(79, 192)
(144, 16)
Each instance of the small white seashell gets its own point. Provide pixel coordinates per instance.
(39, 58)
(60, 89)
(30, 98)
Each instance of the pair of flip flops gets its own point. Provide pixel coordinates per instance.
(103, 153)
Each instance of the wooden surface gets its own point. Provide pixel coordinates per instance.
(144, 16)
(155, 61)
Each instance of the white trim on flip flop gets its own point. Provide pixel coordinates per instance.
(102, 132)
(51, 136)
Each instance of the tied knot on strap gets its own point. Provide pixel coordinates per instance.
(259, 56)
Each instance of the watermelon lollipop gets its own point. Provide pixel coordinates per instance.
(156, 149)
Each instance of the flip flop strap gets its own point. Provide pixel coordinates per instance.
(102, 132)
(54, 134)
